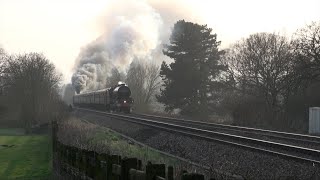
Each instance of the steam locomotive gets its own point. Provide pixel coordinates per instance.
(117, 99)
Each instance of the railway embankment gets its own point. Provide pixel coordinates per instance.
(222, 157)
(79, 133)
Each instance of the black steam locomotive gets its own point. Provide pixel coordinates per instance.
(117, 99)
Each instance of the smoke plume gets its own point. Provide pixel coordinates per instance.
(130, 29)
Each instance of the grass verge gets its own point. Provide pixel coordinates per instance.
(79, 133)
(118, 145)
(28, 158)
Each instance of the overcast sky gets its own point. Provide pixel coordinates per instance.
(60, 28)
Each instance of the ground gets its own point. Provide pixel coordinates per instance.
(28, 158)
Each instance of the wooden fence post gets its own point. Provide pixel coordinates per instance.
(84, 161)
(91, 163)
(58, 157)
(136, 175)
(54, 136)
(113, 159)
(170, 173)
(154, 170)
(103, 170)
(66, 155)
(116, 172)
(101, 166)
(97, 166)
(126, 165)
(73, 156)
(77, 159)
(63, 151)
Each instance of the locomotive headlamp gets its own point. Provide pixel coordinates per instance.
(124, 101)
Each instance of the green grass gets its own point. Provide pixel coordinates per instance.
(29, 158)
(121, 146)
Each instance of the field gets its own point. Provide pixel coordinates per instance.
(28, 158)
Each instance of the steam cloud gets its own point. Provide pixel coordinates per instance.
(131, 29)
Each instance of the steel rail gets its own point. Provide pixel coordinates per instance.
(220, 137)
(271, 133)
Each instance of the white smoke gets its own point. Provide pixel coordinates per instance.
(130, 29)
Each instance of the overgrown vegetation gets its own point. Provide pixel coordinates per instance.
(89, 136)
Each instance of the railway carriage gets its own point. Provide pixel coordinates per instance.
(117, 98)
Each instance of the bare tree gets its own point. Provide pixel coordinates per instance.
(3, 57)
(136, 80)
(262, 66)
(32, 81)
(2, 83)
(144, 82)
(306, 44)
(152, 80)
(307, 49)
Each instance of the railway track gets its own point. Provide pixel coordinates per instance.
(288, 151)
(302, 140)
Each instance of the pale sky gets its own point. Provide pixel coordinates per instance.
(59, 28)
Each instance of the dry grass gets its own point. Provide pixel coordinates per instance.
(89, 136)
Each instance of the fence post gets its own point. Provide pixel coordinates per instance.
(84, 161)
(97, 166)
(116, 172)
(68, 162)
(63, 151)
(103, 170)
(54, 136)
(77, 158)
(170, 173)
(68, 155)
(100, 166)
(104, 167)
(73, 156)
(91, 163)
(113, 159)
(126, 165)
(59, 156)
(139, 165)
(136, 175)
(154, 170)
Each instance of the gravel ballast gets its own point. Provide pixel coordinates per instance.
(220, 157)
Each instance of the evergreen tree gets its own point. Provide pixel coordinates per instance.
(190, 81)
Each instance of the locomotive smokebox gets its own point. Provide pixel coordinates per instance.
(122, 91)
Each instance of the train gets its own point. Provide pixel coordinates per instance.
(115, 99)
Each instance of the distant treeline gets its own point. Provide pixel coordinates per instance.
(265, 80)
